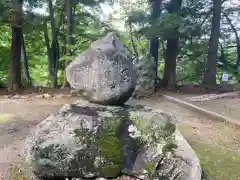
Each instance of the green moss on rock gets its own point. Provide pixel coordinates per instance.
(110, 147)
(109, 158)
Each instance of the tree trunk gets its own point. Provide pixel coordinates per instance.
(211, 69)
(53, 46)
(154, 42)
(14, 83)
(69, 35)
(49, 52)
(169, 76)
(25, 62)
(54, 60)
(14, 70)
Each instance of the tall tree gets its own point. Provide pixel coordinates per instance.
(14, 79)
(154, 42)
(53, 46)
(70, 19)
(211, 65)
(169, 76)
(12, 13)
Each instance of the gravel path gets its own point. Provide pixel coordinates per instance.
(228, 106)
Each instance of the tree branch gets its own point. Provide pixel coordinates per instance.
(206, 17)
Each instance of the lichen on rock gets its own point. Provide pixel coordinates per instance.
(156, 136)
(89, 141)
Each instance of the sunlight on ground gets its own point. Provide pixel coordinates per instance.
(218, 162)
(5, 118)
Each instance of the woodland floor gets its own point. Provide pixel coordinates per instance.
(216, 143)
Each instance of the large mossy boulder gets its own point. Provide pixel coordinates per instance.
(89, 141)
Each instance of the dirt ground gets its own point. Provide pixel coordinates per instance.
(22, 114)
(17, 117)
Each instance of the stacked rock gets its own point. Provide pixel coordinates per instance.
(104, 74)
(93, 139)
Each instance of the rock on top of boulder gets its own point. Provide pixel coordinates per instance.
(109, 44)
(104, 73)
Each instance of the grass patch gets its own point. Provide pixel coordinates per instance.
(17, 174)
(220, 160)
(5, 118)
(217, 163)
